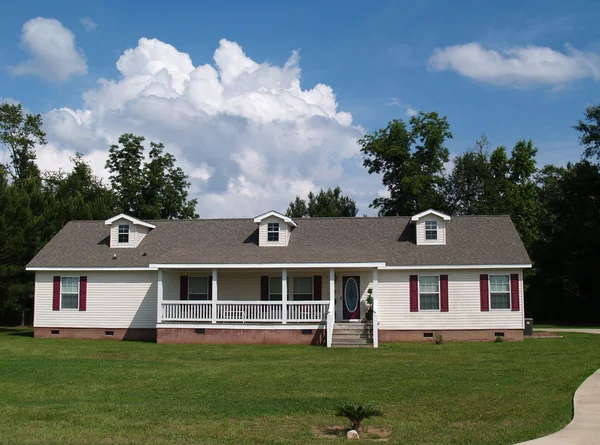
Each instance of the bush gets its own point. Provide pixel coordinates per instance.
(438, 339)
(357, 413)
(499, 339)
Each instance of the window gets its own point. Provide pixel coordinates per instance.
(123, 233)
(69, 293)
(272, 231)
(431, 230)
(303, 288)
(275, 293)
(499, 292)
(197, 288)
(429, 293)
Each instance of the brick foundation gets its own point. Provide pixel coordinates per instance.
(97, 333)
(241, 336)
(386, 336)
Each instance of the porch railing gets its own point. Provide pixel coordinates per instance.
(245, 311)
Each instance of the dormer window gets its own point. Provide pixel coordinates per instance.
(273, 232)
(123, 233)
(431, 230)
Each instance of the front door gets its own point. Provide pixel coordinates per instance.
(351, 298)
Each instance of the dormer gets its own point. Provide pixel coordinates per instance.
(430, 227)
(127, 231)
(274, 229)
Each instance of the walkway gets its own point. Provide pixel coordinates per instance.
(580, 330)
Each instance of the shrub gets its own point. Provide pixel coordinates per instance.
(357, 413)
(438, 339)
(499, 339)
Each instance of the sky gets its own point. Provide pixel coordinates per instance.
(265, 100)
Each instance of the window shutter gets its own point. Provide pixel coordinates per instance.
(264, 288)
(414, 293)
(514, 291)
(183, 287)
(210, 287)
(483, 293)
(444, 293)
(318, 287)
(82, 293)
(56, 294)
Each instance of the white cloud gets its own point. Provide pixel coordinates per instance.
(247, 134)
(518, 66)
(88, 24)
(409, 111)
(54, 56)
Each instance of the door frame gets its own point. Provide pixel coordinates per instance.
(345, 279)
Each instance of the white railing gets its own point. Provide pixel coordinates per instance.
(187, 311)
(245, 311)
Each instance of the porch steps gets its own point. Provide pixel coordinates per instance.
(352, 335)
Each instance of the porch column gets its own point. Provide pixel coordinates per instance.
(331, 311)
(375, 308)
(284, 296)
(215, 288)
(159, 296)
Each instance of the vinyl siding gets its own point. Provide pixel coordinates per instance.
(421, 231)
(284, 233)
(114, 300)
(136, 234)
(463, 303)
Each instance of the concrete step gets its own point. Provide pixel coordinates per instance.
(351, 341)
(341, 336)
(354, 345)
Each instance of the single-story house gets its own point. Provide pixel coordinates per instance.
(273, 279)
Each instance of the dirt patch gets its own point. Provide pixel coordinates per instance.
(544, 335)
(373, 433)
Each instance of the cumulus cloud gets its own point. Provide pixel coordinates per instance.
(250, 137)
(519, 66)
(409, 111)
(88, 24)
(54, 56)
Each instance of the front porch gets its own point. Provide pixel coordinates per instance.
(252, 299)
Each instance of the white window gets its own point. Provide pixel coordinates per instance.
(275, 293)
(429, 293)
(431, 230)
(123, 233)
(303, 288)
(272, 231)
(69, 293)
(499, 292)
(197, 288)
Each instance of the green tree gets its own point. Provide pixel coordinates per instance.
(590, 132)
(411, 161)
(327, 203)
(125, 166)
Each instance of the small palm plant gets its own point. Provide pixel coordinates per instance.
(357, 413)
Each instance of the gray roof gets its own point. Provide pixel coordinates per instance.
(471, 240)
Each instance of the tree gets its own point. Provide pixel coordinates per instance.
(20, 132)
(325, 203)
(411, 162)
(590, 132)
(153, 190)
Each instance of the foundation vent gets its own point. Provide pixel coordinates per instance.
(428, 334)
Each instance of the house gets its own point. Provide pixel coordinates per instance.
(272, 279)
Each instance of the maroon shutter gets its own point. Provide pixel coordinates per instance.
(210, 287)
(82, 293)
(414, 293)
(183, 287)
(444, 293)
(484, 297)
(264, 288)
(514, 291)
(318, 287)
(56, 294)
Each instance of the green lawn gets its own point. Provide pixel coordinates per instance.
(102, 392)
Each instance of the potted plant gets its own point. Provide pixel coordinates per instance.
(369, 304)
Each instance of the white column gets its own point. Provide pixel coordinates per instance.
(375, 308)
(284, 295)
(159, 296)
(331, 311)
(215, 289)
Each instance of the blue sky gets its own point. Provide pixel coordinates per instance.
(509, 69)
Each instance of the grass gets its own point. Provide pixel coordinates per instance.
(102, 392)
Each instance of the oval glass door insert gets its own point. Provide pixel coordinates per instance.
(351, 295)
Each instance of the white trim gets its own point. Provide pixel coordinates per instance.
(462, 266)
(509, 308)
(267, 266)
(375, 296)
(439, 309)
(286, 219)
(238, 326)
(119, 233)
(89, 269)
(430, 212)
(78, 293)
(133, 220)
(159, 295)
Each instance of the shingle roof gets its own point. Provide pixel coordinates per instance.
(471, 240)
